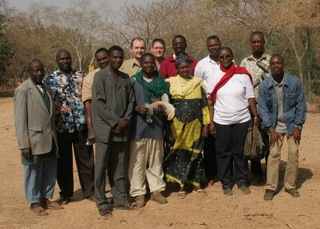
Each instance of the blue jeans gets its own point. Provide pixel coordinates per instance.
(229, 147)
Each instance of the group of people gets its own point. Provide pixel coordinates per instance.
(155, 120)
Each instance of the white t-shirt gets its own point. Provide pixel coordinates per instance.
(207, 70)
(232, 105)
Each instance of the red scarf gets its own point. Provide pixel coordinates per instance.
(227, 76)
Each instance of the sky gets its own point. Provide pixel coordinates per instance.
(23, 4)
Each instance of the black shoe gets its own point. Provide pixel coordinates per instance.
(90, 198)
(105, 212)
(64, 200)
(126, 206)
(244, 189)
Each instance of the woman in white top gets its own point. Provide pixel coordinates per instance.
(231, 99)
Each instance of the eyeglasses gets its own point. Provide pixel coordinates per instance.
(225, 56)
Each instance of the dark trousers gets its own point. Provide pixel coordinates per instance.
(209, 157)
(111, 156)
(84, 160)
(229, 145)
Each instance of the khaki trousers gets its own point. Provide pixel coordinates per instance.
(146, 157)
(273, 164)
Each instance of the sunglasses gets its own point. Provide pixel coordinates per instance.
(225, 56)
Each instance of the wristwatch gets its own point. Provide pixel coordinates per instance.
(298, 127)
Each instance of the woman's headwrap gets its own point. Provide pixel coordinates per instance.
(182, 58)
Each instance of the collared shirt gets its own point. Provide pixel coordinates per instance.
(66, 93)
(207, 69)
(294, 103)
(257, 73)
(168, 66)
(87, 85)
(130, 67)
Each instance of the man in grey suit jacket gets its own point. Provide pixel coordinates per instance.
(112, 103)
(35, 130)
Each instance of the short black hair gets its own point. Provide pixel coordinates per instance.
(257, 33)
(102, 50)
(32, 61)
(213, 37)
(115, 48)
(146, 54)
(228, 49)
(277, 55)
(179, 36)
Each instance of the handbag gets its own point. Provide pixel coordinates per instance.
(254, 148)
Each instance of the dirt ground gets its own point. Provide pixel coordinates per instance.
(213, 211)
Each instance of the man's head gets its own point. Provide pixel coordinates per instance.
(179, 44)
(64, 60)
(137, 48)
(213, 46)
(102, 57)
(115, 56)
(257, 43)
(36, 71)
(158, 48)
(276, 65)
(148, 64)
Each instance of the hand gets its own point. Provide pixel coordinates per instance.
(117, 130)
(212, 129)
(296, 134)
(141, 109)
(91, 139)
(27, 154)
(205, 131)
(256, 121)
(122, 123)
(274, 137)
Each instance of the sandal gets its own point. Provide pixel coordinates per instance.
(181, 195)
(38, 210)
(105, 212)
(293, 192)
(53, 205)
(269, 194)
(201, 192)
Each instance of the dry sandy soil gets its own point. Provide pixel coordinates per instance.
(213, 211)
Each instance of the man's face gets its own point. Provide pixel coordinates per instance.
(116, 59)
(257, 43)
(36, 72)
(148, 64)
(158, 49)
(64, 61)
(213, 46)
(102, 59)
(138, 48)
(276, 65)
(179, 45)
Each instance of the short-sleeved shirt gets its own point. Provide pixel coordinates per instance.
(207, 69)
(130, 67)
(66, 94)
(87, 85)
(257, 73)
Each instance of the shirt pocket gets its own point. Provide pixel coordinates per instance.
(290, 99)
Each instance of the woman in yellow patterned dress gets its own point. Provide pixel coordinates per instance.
(183, 162)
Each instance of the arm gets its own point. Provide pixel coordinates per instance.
(21, 122)
(253, 109)
(212, 129)
(88, 111)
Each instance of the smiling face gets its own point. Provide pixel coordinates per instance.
(158, 49)
(148, 65)
(116, 59)
(102, 59)
(213, 46)
(184, 70)
(138, 48)
(225, 57)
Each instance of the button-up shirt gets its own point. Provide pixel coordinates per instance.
(66, 93)
(130, 67)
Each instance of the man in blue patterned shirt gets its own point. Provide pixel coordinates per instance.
(66, 85)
